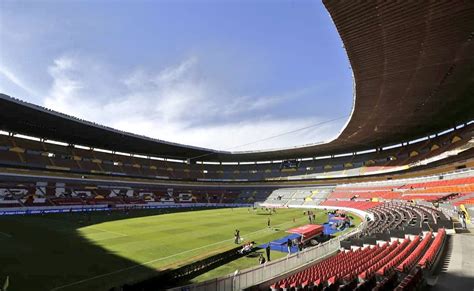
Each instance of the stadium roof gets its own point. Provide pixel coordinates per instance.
(413, 65)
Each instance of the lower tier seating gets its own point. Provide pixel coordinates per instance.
(371, 265)
(397, 215)
(362, 205)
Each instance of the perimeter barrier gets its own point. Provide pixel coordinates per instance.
(240, 280)
(26, 210)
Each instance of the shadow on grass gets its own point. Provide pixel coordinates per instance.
(91, 218)
(47, 252)
(255, 254)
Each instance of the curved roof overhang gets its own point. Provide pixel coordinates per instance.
(413, 66)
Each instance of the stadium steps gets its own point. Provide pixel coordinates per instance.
(291, 198)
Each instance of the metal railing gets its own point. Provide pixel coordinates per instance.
(268, 271)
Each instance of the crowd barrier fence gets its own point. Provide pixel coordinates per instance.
(240, 280)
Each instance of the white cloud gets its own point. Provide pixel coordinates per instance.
(175, 104)
(14, 79)
(175, 74)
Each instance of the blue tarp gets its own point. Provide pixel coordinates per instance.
(328, 230)
(280, 244)
(284, 240)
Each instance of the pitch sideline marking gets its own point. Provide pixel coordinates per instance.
(155, 260)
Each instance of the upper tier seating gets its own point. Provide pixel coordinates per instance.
(31, 153)
(429, 191)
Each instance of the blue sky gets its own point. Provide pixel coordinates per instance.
(216, 74)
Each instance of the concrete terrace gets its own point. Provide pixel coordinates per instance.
(457, 270)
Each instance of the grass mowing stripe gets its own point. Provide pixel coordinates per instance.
(163, 258)
(54, 250)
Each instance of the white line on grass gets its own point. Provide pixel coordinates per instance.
(157, 260)
(112, 232)
(101, 239)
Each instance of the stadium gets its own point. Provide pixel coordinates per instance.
(386, 205)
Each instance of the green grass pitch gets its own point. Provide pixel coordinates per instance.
(100, 250)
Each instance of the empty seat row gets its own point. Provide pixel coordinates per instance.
(354, 269)
(429, 256)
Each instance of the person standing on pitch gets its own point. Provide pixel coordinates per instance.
(237, 236)
(268, 222)
(267, 250)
